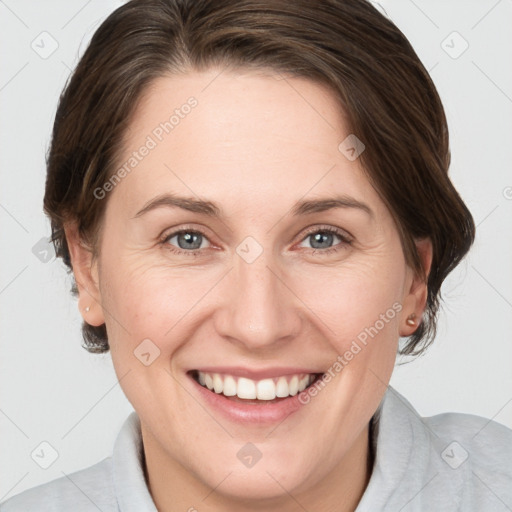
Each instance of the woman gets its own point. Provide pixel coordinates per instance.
(253, 198)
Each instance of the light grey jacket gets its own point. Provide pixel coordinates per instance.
(450, 462)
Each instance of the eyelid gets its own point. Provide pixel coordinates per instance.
(316, 228)
(180, 228)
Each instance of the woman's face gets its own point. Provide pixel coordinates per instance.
(271, 278)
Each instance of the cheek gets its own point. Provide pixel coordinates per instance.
(151, 301)
(353, 295)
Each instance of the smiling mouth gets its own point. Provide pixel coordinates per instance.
(248, 391)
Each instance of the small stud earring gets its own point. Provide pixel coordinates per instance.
(410, 319)
(87, 309)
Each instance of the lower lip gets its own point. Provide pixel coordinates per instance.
(271, 412)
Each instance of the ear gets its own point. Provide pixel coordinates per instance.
(416, 293)
(85, 270)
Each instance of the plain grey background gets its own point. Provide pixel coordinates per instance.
(53, 391)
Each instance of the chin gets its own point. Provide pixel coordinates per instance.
(268, 480)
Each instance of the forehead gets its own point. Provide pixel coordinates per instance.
(249, 136)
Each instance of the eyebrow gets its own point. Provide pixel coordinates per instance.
(324, 204)
(210, 209)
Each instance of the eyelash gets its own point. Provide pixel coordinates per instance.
(345, 240)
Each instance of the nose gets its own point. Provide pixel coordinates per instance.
(258, 307)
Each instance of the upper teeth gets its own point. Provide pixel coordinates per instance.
(266, 389)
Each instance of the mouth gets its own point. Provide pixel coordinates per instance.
(254, 392)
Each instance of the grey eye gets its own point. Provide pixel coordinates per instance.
(187, 240)
(321, 240)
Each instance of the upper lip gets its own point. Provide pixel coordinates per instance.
(254, 374)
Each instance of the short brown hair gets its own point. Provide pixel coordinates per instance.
(388, 98)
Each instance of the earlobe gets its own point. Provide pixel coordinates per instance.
(411, 319)
(416, 299)
(86, 276)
